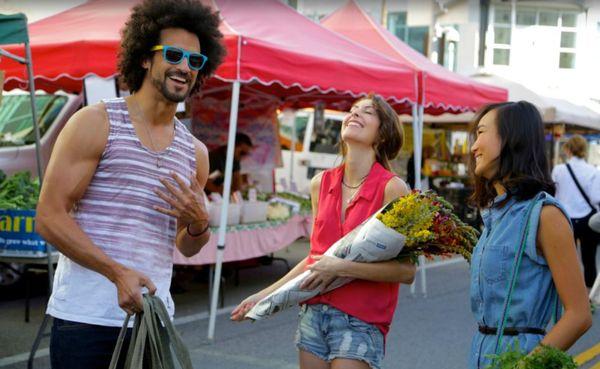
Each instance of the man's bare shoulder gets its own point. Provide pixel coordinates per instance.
(91, 116)
(87, 129)
(200, 147)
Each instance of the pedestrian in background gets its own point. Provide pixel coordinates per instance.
(525, 263)
(578, 189)
(345, 328)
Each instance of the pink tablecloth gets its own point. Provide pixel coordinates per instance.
(248, 244)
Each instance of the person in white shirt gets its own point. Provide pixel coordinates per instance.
(579, 209)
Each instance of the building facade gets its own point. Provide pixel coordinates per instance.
(549, 46)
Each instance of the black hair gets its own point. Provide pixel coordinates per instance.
(142, 32)
(243, 139)
(523, 168)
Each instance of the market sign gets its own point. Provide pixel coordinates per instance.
(17, 234)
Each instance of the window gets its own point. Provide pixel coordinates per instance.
(549, 23)
(16, 122)
(502, 35)
(396, 23)
(548, 18)
(567, 60)
(569, 20)
(502, 15)
(501, 56)
(285, 132)
(416, 37)
(567, 39)
(293, 3)
(526, 16)
(326, 137)
(450, 56)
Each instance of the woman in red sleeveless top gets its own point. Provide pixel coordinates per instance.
(345, 328)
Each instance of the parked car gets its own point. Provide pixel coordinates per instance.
(316, 147)
(17, 137)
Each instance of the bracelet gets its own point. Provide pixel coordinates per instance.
(199, 234)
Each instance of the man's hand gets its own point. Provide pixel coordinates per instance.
(129, 284)
(187, 202)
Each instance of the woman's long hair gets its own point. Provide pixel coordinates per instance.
(523, 169)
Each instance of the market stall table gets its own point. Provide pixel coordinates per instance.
(247, 241)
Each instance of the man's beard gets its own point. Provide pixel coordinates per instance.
(175, 97)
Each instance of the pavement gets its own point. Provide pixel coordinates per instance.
(432, 331)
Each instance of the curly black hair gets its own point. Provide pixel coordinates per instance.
(142, 32)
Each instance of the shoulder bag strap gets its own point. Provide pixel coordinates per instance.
(579, 187)
(513, 277)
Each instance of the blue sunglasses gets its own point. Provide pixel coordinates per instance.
(175, 55)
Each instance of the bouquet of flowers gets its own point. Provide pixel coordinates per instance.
(420, 223)
(429, 225)
(545, 357)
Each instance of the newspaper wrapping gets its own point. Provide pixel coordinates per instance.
(370, 242)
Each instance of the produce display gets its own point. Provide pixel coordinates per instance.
(304, 201)
(278, 211)
(18, 191)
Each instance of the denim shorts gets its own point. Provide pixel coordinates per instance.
(329, 334)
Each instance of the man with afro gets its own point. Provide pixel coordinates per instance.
(124, 184)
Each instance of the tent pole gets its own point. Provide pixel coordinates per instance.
(233, 117)
(38, 155)
(422, 259)
(292, 152)
(417, 165)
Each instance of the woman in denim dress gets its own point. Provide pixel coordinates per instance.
(511, 175)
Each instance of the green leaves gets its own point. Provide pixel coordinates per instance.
(19, 191)
(544, 357)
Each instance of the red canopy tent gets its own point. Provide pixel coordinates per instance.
(440, 90)
(271, 49)
(273, 53)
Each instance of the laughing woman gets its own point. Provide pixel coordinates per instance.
(514, 189)
(345, 328)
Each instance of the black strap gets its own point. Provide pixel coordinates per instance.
(579, 187)
(511, 331)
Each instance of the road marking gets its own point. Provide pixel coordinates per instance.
(202, 316)
(22, 357)
(250, 361)
(588, 355)
(10, 360)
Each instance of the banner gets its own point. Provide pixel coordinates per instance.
(17, 234)
(210, 124)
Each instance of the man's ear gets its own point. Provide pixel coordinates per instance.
(147, 63)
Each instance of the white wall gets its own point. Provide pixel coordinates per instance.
(311, 8)
(37, 9)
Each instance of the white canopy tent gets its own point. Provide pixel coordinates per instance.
(580, 113)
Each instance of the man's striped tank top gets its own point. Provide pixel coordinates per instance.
(117, 214)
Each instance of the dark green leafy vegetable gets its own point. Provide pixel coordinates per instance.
(19, 191)
(544, 357)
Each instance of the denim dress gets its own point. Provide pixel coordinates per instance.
(534, 298)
